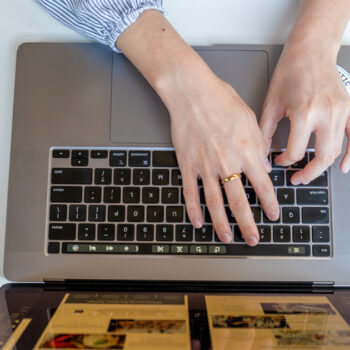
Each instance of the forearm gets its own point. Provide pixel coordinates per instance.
(320, 26)
(162, 56)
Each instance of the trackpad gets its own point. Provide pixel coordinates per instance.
(138, 116)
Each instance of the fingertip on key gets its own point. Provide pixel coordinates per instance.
(252, 240)
(197, 223)
(226, 238)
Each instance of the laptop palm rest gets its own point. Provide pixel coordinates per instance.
(139, 117)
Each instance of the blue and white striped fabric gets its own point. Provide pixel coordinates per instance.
(100, 20)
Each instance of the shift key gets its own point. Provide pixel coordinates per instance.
(71, 176)
(66, 194)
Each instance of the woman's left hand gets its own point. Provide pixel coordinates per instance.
(307, 89)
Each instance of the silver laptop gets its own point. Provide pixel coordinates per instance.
(95, 190)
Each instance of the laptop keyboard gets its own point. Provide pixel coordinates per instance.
(129, 201)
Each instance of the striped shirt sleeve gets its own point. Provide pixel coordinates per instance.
(100, 20)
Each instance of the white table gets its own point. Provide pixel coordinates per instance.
(200, 22)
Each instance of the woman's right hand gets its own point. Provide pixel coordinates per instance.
(214, 132)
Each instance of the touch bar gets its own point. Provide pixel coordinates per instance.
(190, 249)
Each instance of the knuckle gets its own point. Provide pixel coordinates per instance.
(327, 158)
(295, 156)
(239, 203)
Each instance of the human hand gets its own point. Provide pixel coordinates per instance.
(307, 89)
(216, 134)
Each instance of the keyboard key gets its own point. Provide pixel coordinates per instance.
(66, 194)
(105, 232)
(165, 233)
(136, 213)
(160, 177)
(92, 194)
(237, 234)
(285, 195)
(58, 212)
(277, 177)
(80, 158)
(103, 176)
(60, 153)
(217, 249)
(281, 233)
(86, 232)
(77, 212)
(80, 154)
(116, 213)
(230, 216)
(145, 233)
(53, 247)
(290, 215)
(97, 213)
(150, 195)
(99, 154)
(321, 250)
(301, 163)
(164, 159)
(321, 181)
(155, 213)
(176, 177)
(122, 176)
(184, 233)
(71, 176)
(131, 194)
(201, 195)
(125, 232)
(204, 234)
(198, 249)
(64, 232)
(256, 214)
(301, 234)
(311, 155)
(117, 158)
(160, 248)
(251, 196)
(141, 177)
(320, 234)
(174, 213)
(179, 249)
(170, 195)
(312, 196)
(207, 217)
(264, 233)
(139, 158)
(313, 215)
(111, 195)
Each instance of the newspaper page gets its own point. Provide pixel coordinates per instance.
(275, 322)
(118, 321)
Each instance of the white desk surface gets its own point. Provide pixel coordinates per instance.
(200, 22)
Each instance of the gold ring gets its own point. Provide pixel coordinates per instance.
(231, 177)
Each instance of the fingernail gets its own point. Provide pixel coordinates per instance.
(197, 223)
(226, 238)
(274, 215)
(252, 240)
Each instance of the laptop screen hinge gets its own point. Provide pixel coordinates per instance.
(323, 287)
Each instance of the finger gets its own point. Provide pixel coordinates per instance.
(298, 140)
(263, 187)
(345, 163)
(239, 205)
(324, 156)
(272, 113)
(191, 195)
(215, 204)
